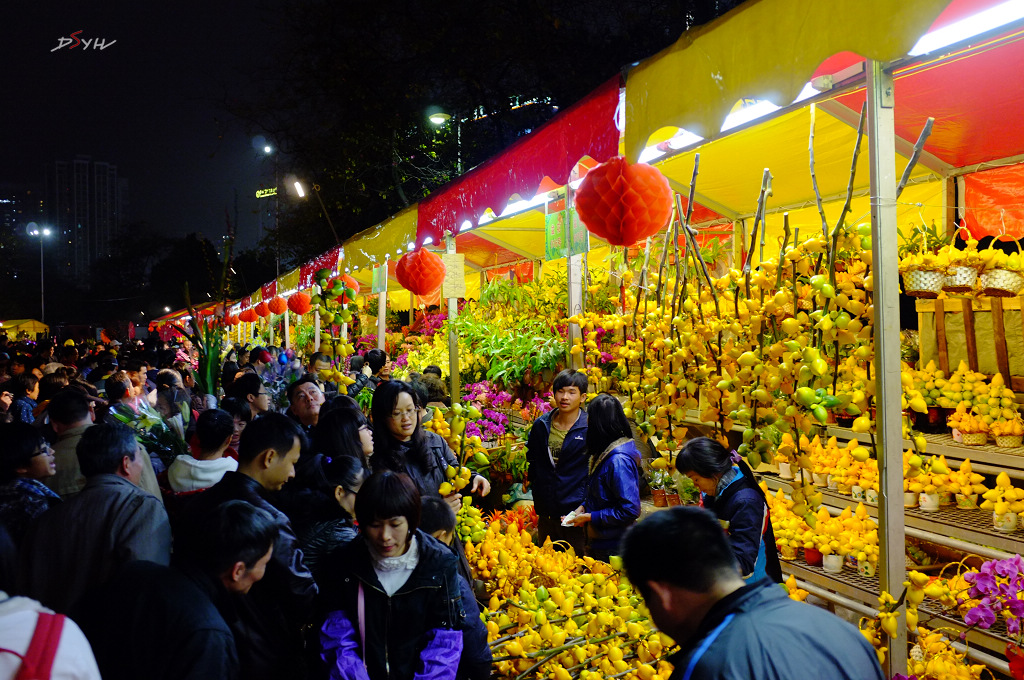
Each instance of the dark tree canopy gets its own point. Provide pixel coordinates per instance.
(346, 92)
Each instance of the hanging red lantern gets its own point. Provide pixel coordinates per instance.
(261, 309)
(277, 305)
(350, 283)
(420, 272)
(230, 320)
(247, 315)
(624, 202)
(299, 303)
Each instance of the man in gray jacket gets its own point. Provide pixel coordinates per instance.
(80, 543)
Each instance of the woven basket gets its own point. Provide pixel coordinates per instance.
(1009, 441)
(960, 279)
(923, 283)
(974, 438)
(1002, 283)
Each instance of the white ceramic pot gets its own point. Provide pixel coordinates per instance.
(909, 499)
(967, 502)
(929, 501)
(786, 470)
(870, 496)
(1006, 522)
(833, 483)
(866, 568)
(833, 563)
(858, 492)
(820, 479)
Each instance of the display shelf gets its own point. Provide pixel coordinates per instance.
(866, 590)
(943, 444)
(973, 526)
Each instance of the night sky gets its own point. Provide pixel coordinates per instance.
(150, 103)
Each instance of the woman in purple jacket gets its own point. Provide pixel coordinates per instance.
(612, 503)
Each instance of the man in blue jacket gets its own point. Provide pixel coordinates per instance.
(557, 454)
(681, 562)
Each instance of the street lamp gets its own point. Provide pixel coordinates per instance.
(440, 118)
(40, 232)
(269, 150)
(301, 192)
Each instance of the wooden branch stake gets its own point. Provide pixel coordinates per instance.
(814, 177)
(926, 131)
(766, 190)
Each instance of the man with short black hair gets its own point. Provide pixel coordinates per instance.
(214, 430)
(305, 399)
(377, 360)
(557, 454)
(80, 543)
(71, 414)
(248, 388)
(174, 615)
(267, 629)
(681, 562)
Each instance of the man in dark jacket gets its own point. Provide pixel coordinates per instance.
(174, 614)
(557, 454)
(80, 543)
(681, 562)
(270, 618)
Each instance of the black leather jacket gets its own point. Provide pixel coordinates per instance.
(397, 626)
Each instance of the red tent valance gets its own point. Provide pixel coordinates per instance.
(269, 290)
(328, 260)
(584, 129)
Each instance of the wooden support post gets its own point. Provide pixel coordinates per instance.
(316, 331)
(971, 338)
(455, 389)
(940, 332)
(999, 331)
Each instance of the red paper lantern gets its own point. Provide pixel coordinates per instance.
(261, 309)
(247, 315)
(349, 283)
(231, 320)
(624, 203)
(420, 272)
(277, 305)
(299, 303)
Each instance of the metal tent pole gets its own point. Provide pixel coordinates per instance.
(888, 391)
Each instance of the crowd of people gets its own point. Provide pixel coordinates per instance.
(281, 531)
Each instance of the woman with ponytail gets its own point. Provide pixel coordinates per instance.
(729, 490)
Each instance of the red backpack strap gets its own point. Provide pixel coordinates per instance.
(38, 661)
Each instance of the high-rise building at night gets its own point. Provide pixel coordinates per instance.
(84, 203)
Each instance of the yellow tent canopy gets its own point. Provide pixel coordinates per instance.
(14, 327)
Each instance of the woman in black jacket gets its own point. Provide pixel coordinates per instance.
(393, 603)
(729, 490)
(400, 443)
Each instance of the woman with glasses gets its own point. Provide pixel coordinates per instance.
(26, 461)
(401, 445)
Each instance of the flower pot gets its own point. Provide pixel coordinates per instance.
(909, 499)
(820, 478)
(659, 498)
(833, 564)
(672, 498)
(967, 502)
(845, 420)
(973, 438)
(1006, 522)
(865, 568)
(946, 499)
(787, 552)
(813, 557)
(871, 496)
(786, 470)
(833, 483)
(929, 501)
(844, 489)
(932, 421)
(857, 492)
(1009, 441)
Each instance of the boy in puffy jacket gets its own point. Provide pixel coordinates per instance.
(438, 520)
